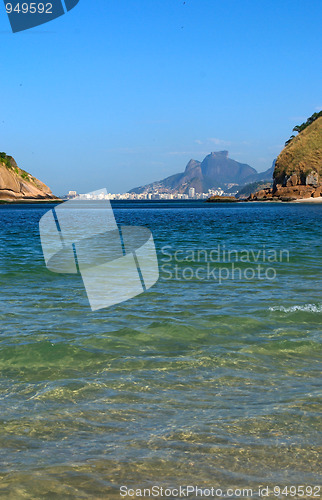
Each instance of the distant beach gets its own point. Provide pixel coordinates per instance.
(310, 200)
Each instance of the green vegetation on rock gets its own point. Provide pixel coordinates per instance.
(7, 160)
(10, 164)
(300, 128)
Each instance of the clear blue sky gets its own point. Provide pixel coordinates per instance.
(120, 93)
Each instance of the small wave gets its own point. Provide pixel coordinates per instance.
(315, 308)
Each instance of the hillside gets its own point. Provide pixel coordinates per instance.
(298, 168)
(253, 187)
(216, 170)
(302, 154)
(17, 184)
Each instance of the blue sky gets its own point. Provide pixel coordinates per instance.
(120, 93)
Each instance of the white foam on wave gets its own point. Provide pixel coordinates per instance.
(315, 308)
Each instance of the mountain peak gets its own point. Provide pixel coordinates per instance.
(191, 165)
(219, 153)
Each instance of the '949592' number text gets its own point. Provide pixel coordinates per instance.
(32, 8)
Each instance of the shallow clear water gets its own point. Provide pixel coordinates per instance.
(195, 381)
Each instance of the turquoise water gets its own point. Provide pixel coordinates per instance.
(193, 382)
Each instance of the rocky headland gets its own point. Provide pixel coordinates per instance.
(298, 168)
(18, 185)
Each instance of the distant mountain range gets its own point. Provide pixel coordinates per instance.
(216, 170)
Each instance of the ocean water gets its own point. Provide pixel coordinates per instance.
(210, 378)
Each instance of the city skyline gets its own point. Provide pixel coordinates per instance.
(154, 195)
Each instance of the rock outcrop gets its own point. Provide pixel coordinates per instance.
(298, 169)
(222, 199)
(17, 184)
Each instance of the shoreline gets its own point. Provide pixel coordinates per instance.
(309, 200)
(28, 201)
(238, 201)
